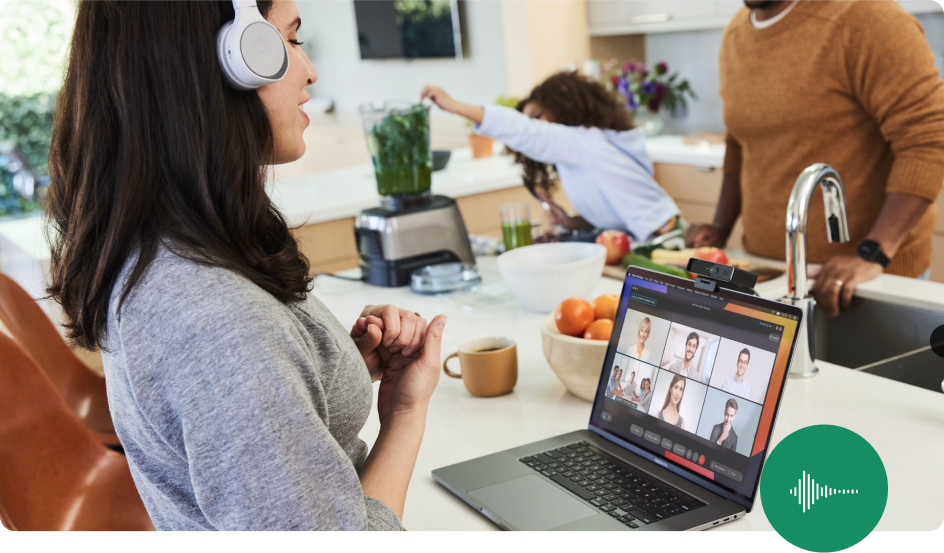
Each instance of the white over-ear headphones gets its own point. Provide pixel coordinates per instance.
(251, 51)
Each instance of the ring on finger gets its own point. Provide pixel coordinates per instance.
(838, 283)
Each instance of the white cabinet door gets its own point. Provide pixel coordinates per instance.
(640, 12)
(920, 6)
(727, 8)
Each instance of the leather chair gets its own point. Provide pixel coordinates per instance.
(54, 474)
(82, 389)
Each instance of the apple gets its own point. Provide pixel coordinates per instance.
(714, 255)
(616, 243)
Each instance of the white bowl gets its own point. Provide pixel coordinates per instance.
(543, 275)
(576, 362)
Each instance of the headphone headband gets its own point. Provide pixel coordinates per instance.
(251, 51)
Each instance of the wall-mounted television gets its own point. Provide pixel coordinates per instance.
(408, 29)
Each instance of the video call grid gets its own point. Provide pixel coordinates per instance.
(657, 374)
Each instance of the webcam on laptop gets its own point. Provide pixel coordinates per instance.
(711, 276)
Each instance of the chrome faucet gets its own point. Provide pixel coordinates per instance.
(837, 226)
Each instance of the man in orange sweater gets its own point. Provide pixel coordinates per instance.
(851, 84)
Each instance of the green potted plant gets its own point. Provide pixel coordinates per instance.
(25, 124)
(482, 146)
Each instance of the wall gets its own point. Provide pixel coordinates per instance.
(695, 55)
(330, 34)
(558, 36)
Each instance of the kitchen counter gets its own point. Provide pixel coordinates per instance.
(671, 149)
(332, 195)
(902, 422)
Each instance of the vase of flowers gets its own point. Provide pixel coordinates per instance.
(648, 93)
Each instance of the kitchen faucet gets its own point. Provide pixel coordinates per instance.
(837, 228)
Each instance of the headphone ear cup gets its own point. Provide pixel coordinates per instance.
(228, 57)
(252, 54)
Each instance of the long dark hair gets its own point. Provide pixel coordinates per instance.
(574, 100)
(149, 146)
(668, 393)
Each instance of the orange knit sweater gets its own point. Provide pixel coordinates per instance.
(851, 84)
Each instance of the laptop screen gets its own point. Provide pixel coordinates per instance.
(695, 378)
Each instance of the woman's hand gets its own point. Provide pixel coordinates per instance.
(407, 388)
(401, 351)
(447, 103)
(385, 333)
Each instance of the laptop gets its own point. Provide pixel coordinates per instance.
(680, 425)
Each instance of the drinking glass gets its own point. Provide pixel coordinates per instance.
(516, 225)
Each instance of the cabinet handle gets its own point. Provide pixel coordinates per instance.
(705, 169)
(651, 18)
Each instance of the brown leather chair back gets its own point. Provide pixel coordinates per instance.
(54, 474)
(81, 388)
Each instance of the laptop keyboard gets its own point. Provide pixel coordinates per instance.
(614, 487)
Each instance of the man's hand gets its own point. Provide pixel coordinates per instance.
(705, 235)
(724, 433)
(837, 280)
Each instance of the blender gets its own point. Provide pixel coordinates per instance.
(412, 228)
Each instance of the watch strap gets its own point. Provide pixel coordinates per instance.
(870, 250)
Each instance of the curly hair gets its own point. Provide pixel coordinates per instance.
(574, 100)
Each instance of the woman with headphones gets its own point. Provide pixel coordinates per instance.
(237, 396)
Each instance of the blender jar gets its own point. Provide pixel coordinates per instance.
(398, 141)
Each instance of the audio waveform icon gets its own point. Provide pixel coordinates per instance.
(807, 491)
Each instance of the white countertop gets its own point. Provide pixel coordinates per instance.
(342, 193)
(905, 430)
(672, 149)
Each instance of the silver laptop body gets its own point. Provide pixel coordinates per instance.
(641, 479)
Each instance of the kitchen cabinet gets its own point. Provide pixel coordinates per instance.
(625, 17)
(920, 6)
(330, 246)
(696, 191)
(608, 17)
(729, 7)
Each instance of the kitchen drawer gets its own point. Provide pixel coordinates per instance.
(327, 243)
(337, 265)
(696, 213)
(688, 183)
(937, 258)
(481, 211)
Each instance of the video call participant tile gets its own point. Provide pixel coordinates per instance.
(742, 370)
(677, 400)
(632, 382)
(643, 336)
(740, 416)
(690, 352)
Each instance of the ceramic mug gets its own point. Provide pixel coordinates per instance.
(489, 366)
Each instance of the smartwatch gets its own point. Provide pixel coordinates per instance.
(870, 250)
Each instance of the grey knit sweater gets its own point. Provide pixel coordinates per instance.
(236, 411)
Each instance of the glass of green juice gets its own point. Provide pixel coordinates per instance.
(516, 225)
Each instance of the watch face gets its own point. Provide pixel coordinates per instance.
(867, 250)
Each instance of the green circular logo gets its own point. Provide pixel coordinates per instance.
(824, 488)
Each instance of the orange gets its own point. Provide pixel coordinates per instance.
(573, 316)
(599, 329)
(604, 307)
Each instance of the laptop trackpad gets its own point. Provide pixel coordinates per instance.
(531, 503)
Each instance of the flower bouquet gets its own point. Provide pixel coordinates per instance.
(648, 91)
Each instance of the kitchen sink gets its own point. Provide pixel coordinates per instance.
(885, 339)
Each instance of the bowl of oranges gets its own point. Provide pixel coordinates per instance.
(575, 337)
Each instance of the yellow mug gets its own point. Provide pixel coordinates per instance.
(489, 366)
